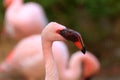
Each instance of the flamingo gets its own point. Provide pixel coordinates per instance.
(56, 32)
(90, 65)
(22, 20)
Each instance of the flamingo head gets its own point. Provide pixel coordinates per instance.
(7, 3)
(55, 31)
(73, 36)
(91, 65)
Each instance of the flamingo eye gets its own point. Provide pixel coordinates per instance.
(62, 32)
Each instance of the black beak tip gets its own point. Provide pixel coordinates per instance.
(83, 50)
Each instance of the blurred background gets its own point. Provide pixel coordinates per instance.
(98, 21)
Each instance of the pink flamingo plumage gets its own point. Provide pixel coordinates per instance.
(27, 56)
(90, 65)
(22, 20)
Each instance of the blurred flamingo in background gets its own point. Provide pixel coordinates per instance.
(90, 64)
(80, 67)
(22, 20)
(27, 58)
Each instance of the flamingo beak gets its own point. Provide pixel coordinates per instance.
(73, 36)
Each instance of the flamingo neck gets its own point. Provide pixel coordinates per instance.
(50, 66)
(74, 70)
